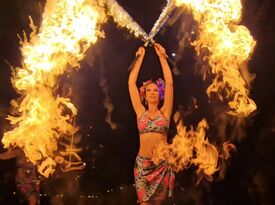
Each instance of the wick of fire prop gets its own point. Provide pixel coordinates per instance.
(149, 40)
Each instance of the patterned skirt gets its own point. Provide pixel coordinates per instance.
(153, 181)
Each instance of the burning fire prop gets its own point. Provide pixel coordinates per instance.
(69, 28)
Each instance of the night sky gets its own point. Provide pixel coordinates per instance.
(110, 153)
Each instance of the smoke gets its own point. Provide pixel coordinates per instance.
(228, 127)
(103, 83)
(183, 26)
(259, 179)
(107, 102)
(259, 187)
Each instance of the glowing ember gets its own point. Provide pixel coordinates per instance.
(229, 46)
(68, 29)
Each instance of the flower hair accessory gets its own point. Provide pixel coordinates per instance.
(161, 88)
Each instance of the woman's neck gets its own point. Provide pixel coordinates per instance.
(152, 108)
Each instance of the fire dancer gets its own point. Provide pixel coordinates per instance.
(27, 181)
(154, 182)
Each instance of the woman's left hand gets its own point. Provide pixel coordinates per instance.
(160, 50)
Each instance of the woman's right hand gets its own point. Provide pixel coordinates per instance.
(160, 50)
(140, 52)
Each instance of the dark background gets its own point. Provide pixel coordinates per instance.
(109, 153)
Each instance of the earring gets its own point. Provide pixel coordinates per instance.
(145, 102)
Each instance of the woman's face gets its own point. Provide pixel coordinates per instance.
(152, 93)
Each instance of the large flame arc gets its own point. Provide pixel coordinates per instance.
(67, 30)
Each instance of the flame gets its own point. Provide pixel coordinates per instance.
(180, 152)
(229, 47)
(207, 155)
(227, 147)
(67, 30)
(191, 147)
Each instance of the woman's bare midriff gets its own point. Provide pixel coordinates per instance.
(148, 142)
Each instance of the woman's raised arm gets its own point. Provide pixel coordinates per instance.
(168, 95)
(133, 90)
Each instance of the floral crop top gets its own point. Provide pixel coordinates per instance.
(159, 124)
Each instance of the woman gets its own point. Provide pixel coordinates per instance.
(26, 179)
(154, 182)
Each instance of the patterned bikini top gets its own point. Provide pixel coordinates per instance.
(159, 124)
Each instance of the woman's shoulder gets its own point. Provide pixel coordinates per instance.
(141, 112)
(165, 114)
